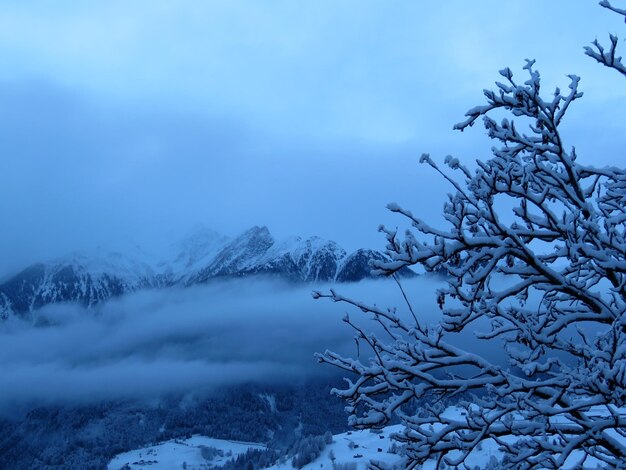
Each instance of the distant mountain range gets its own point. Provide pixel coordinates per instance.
(92, 278)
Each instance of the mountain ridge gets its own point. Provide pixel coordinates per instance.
(205, 255)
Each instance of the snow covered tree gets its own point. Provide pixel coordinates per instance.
(535, 259)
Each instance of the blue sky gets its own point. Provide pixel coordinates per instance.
(143, 119)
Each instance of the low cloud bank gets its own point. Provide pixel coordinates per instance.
(158, 342)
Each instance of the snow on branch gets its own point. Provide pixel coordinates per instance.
(547, 275)
(608, 57)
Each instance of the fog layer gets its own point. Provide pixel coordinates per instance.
(158, 342)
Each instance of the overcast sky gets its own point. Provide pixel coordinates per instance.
(143, 119)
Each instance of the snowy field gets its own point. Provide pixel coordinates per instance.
(352, 447)
(179, 454)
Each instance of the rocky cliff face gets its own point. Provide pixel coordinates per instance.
(354, 266)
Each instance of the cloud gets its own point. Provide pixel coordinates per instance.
(157, 342)
(139, 118)
(99, 175)
(225, 333)
(322, 69)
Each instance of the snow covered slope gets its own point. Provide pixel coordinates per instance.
(86, 278)
(195, 453)
(193, 253)
(354, 447)
(257, 252)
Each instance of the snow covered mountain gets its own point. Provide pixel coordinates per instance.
(81, 277)
(191, 254)
(91, 278)
(256, 252)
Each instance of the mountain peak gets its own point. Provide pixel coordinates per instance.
(256, 231)
(194, 251)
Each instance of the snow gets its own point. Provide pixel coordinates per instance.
(174, 454)
(305, 253)
(196, 251)
(361, 447)
(358, 447)
(127, 260)
(256, 250)
(271, 401)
